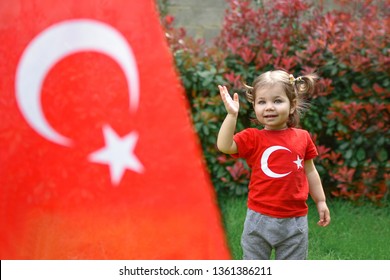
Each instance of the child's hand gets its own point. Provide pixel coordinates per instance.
(232, 105)
(324, 214)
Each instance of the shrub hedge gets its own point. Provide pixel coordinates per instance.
(349, 116)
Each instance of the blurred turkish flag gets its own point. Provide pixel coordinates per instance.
(98, 156)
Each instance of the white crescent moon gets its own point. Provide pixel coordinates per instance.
(264, 162)
(54, 44)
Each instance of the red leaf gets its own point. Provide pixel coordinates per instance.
(378, 89)
(356, 89)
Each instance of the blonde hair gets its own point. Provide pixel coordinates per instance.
(296, 90)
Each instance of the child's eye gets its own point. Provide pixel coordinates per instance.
(277, 101)
(261, 102)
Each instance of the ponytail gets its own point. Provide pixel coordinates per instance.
(304, 84)
(249, 94)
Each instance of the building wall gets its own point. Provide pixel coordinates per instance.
(204, 18)
(201, 18)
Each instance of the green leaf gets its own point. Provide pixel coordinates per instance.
(382, 155)
(344, 146)
(359, 140)
(354, 163)
(348, 154)
(205, 129)
(360, 154)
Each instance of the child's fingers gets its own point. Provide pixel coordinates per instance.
(324, 219)
(221, 91)
(231, 105)
(235, 97)
(224, 93)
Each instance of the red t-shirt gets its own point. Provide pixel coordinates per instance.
(278, 186)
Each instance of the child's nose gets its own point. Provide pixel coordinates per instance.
(269, 106)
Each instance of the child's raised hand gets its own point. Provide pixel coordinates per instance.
(232, 105)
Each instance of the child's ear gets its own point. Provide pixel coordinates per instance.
(293, 106)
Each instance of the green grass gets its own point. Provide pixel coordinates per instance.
(355, 232)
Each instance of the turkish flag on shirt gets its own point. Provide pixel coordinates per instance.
(98, 157)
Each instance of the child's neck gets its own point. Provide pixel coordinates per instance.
(279, 129)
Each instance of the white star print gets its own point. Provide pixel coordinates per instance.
(298, 162)
(118, 154)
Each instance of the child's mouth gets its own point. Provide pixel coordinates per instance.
(270, 116)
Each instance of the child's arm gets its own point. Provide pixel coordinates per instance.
(225, 141)
(317, 192)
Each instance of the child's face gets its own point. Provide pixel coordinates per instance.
(272, 107)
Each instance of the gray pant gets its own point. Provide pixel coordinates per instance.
(289, 237)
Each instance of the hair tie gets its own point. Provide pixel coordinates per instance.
(293, 80)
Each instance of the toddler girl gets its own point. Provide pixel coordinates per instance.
(281, 160)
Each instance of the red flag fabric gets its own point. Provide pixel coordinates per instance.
(98, 157)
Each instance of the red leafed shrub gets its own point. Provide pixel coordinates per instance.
(349, 117)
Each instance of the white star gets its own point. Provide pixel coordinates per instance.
(298, 162)
(118, 154)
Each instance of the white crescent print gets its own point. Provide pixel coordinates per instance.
(264, 162)
(55, 43)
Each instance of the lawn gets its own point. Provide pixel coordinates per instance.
(355, 233)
